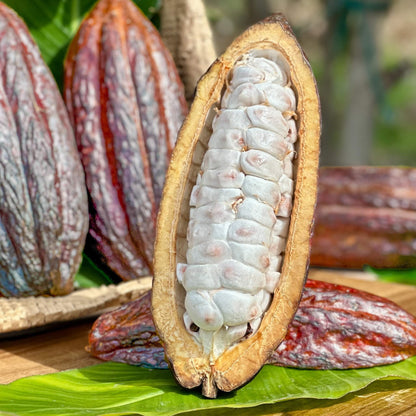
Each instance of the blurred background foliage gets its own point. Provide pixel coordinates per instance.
(363, 53)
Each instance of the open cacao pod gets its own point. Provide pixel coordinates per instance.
(232, 243)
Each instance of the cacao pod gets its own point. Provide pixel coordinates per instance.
(338, 327)
(126, 103)
(334, 327)
(365, 216)
(231, 253)
(43, 214)
(127, 335)
(192, 49)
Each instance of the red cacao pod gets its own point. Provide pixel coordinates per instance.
(365, 216)
(43, 208)
(335, 327)
(126, 103)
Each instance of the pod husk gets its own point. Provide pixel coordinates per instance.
(240, 363)
(365, 216)
(192, 48)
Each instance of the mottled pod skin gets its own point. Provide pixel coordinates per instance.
(126, 103)
(334, 327)
(43, 201)
(127, 334)
(339, 327)
(365, 216)
(192, 365)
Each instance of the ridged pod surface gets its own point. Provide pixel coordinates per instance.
(338, 327)
(43, 209)
(234, 227)
(334, 327)
(126, 103)
(365, 216)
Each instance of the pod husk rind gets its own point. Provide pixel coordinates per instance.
(240, 363)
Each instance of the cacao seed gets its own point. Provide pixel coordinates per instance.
(126, 103)
(335, 327)
(221, 336)
(43, 214)
(365, 216)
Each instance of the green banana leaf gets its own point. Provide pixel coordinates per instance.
(119, 389)
(405, 276)
(53, 24)
(89, 275)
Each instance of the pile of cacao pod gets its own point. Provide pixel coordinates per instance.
(229, 249)
(125, 102)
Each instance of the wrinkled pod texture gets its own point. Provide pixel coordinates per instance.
(239, 197)
(334, 327)
(126, 103)
(365, 216)
(43, 208)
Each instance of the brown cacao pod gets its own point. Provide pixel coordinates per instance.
(128, 335)
(126, 103)
(338, 327)
(334, 327)
(247, 152)
(192, 49)
(365, 216)
(43, 208)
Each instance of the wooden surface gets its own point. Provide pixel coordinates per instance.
(61, 348)
(34, 311)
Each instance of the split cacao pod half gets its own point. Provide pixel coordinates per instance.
(366, 215)
(43, 208)
(334, 327)
(126, 103)
(233, 235)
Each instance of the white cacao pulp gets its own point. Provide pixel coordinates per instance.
(241, 204)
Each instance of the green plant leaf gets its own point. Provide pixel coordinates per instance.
(120, 389)
(405, 276)
(53, 24)
(89, 275)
